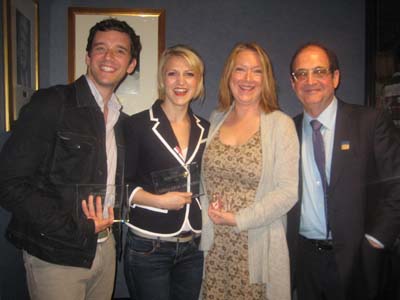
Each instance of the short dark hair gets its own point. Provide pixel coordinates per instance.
(333, 60)
(117, 25)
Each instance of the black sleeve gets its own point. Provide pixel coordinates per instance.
(386, 149)
(23, 171)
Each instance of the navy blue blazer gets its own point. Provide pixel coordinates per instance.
(151, 147)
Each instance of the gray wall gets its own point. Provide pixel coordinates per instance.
(212, 27)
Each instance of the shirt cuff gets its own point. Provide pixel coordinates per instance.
(371, 238)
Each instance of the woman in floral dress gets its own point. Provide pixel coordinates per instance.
(250, 176)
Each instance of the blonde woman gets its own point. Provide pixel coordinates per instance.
(162, 259)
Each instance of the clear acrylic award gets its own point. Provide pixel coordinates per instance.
(110, 195)
(178, 179)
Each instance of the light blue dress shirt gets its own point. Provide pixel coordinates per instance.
(313, 222)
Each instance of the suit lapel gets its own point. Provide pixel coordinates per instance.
(341, 144)
(163, 130)
(197, 137)
(298, 121)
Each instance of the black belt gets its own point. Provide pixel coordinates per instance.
(321, 245)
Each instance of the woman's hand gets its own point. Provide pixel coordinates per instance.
(175, 200)
(221, 217)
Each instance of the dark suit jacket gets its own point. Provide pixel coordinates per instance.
(365, 163)
(58, 142)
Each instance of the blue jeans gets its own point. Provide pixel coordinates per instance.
(158, 270)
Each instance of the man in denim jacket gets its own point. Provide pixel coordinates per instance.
(67, 137)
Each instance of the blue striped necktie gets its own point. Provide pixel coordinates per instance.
(319, 156)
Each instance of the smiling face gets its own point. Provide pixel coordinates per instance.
(314, 93)
(109, 60)
(180, 82)
(246, 79)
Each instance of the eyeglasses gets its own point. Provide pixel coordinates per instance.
(318, 73)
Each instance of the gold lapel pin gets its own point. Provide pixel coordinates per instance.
(345, 145)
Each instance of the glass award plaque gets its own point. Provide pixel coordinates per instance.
(178, 179)
(109, 195)
(221, 201)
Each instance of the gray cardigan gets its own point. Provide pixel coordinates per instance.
(265, 219)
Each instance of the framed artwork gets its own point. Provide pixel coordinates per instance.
(138, 90)
(21, 57)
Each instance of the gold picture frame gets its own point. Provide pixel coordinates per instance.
(139, 90)
(21, 55)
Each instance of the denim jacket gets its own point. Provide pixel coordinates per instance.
(58, 142)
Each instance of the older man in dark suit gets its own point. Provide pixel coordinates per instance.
(336, 233)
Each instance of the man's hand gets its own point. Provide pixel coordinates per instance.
(96, 213)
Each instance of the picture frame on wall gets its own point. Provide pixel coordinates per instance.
(21, 57)
(138, 91)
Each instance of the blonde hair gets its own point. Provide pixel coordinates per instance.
(269, 100)
(194, 61)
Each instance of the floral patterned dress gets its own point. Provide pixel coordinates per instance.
(233, 172)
